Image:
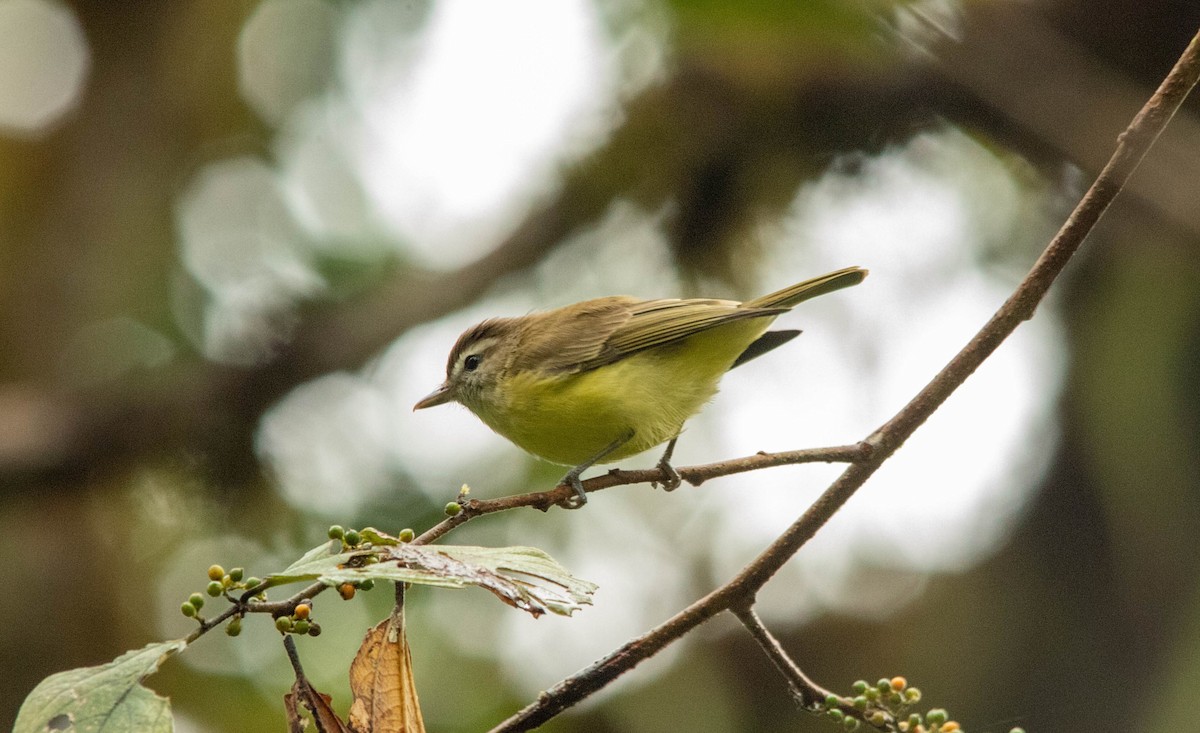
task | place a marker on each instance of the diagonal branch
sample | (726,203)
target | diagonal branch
(1131,148)
(808,693)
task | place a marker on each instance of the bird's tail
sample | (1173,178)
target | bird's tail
(801,292)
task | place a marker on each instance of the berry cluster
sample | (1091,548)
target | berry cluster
(298,621)
(886,706)
(220,583)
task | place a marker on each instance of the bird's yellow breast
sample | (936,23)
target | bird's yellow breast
(569,418)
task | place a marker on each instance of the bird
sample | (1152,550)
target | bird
(608,378)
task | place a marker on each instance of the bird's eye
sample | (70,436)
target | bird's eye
(471,363)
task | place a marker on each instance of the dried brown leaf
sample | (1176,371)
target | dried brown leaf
(318,705)
(381,680)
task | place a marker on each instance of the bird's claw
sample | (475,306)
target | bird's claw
(672,480)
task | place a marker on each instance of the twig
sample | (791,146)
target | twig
(808,693)
(289,643)
(694,475)
(1131,148)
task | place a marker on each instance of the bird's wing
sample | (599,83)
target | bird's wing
(594,333)
(659,322)
(653,323)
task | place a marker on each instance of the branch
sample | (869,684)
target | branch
(694,475)
(739,592)
(808,693)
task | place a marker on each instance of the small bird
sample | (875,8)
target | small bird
(605,379)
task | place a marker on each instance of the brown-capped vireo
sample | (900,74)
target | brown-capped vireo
(608,378)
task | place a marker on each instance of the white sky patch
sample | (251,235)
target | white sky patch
(479,112)
(44,63)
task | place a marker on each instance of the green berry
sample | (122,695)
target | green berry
(453,508)
(859,687)
(937,716)
(836,715)
(850,723)
(215,588)
(912,694)
(872,693)
(301,626)
(832,701)
(877,719)
(216,572)
(188,609)
(253,582)
(914,720)
(883,685)
(336,532)
(352,537)
(406,535)
(1017,730)
(196,600)
(235,575)
(860,703)
(235,626)
(284,624)
(367,584)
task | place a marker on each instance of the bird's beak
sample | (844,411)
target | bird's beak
(439,396)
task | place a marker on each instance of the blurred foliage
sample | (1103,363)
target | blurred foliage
(117,434)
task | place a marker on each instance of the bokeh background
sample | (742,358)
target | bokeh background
(237,240)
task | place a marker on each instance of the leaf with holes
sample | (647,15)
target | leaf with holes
(104,699)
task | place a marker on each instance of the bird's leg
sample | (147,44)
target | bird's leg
(664,464)
(572,477)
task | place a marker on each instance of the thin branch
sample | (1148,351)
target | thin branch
(808,693)
(289,643)
(694,475)
(1131,148)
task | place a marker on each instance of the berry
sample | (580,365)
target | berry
(336,532)
(301,627)
(284,624)
(216,572)
(188,609)
(235,626)
(346,590)
(235,575)
(899,683)
(302,611)
(352,537)
(196,600)
(215,588)
(406,535)
(453,508)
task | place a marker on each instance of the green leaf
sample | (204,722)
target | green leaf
(524,577)
(104,699)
